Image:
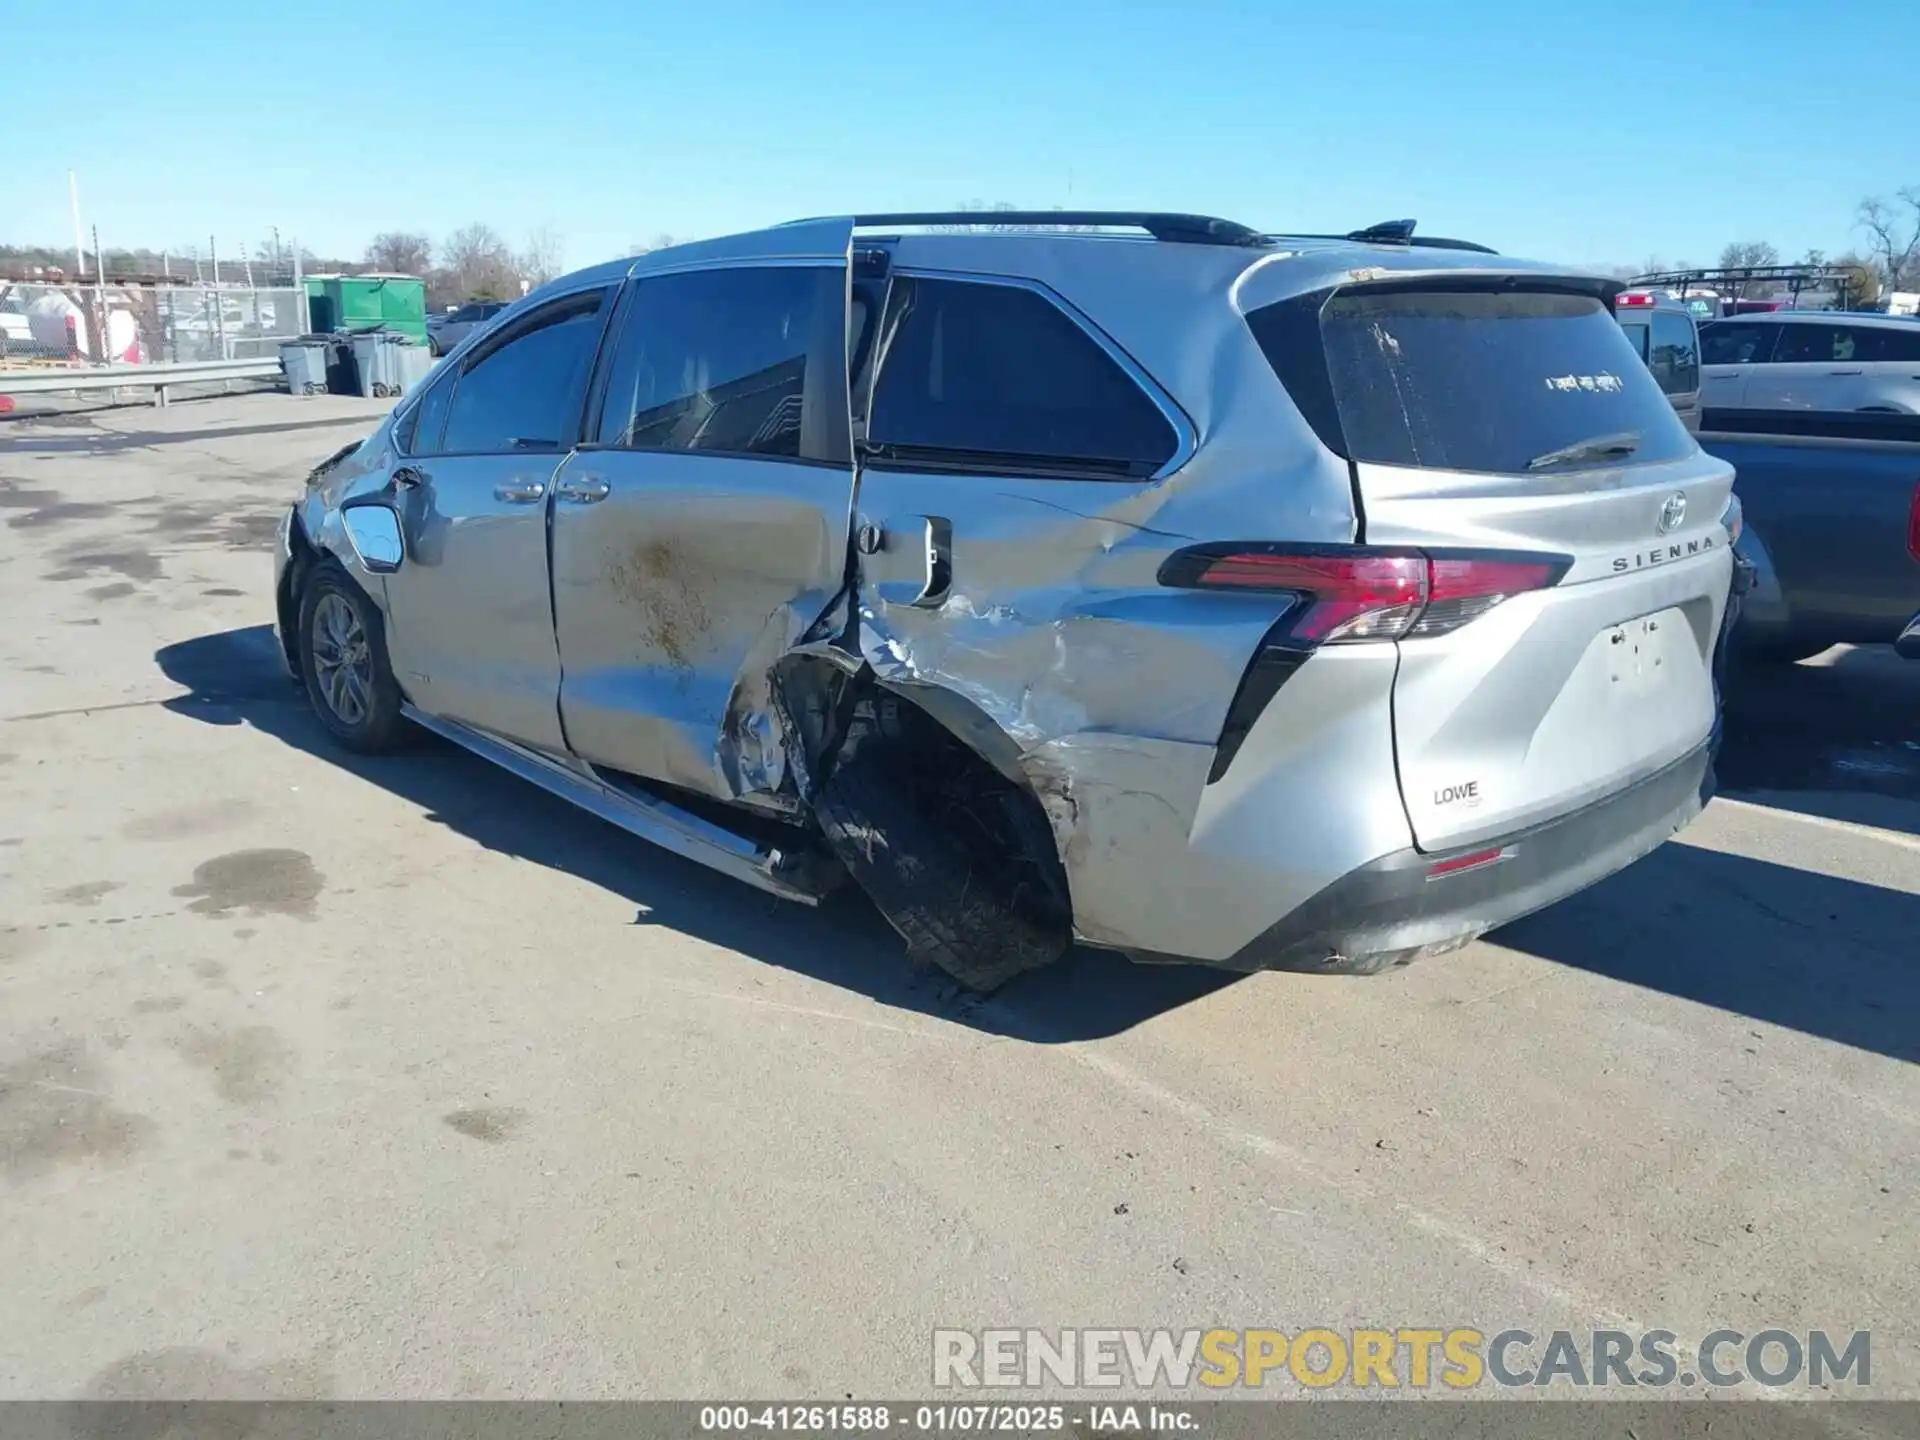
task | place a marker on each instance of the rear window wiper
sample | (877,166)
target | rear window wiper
(1597,447)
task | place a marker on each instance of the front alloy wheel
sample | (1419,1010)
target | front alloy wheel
(342,659)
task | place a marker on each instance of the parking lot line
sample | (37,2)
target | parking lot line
(1841,827)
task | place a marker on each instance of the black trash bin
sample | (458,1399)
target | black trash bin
(342,377)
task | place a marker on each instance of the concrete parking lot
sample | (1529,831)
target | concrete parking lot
(323,1076)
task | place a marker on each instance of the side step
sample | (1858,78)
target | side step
(789,875)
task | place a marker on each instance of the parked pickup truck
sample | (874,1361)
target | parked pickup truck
(1831,504)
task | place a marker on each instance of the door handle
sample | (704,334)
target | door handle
(582,490)
(1843,372)
(903,582)
(520,492)
(937,540)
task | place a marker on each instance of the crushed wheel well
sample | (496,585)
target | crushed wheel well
(954,852)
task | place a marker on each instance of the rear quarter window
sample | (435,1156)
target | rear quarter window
(1474,379)
(998,377)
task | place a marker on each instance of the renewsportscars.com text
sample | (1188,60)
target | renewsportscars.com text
(1405,1358)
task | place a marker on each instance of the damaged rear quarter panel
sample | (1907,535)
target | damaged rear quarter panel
(1109,689)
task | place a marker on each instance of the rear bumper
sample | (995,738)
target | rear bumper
(1908,645)
(1392,908)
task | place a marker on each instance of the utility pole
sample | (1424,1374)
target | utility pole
(73,200)
(219,311)
(300,291)
(100,297)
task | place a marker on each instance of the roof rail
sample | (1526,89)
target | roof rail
(1188,229)
(1400,232)
(1440,242)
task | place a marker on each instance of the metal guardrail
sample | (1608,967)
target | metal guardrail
(48,381)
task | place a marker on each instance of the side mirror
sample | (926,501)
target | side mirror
(373,530)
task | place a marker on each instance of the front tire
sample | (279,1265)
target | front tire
(343,664)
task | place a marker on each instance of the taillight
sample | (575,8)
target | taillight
(1734,517)
(1913,525)
(1350,593)
(1630,300)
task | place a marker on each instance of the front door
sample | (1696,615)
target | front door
(702,526)
(470,624)
(1733,357)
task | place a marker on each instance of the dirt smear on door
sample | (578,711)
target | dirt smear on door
(665,587)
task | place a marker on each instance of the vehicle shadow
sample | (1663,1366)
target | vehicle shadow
(234,677)
(1838,738)
(1811,952)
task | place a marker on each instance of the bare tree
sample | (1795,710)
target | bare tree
(1863,278)
(541,260)
(400,252)
(1894,228)
(479,265)
(1742,254)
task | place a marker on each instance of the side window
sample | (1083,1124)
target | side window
(1814,344)
(520,392)
(1727,342)
(419,430)
(977,375)
(1675,359)
(1895,345)
(736,362)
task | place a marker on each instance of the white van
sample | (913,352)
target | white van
(1811,360)
(1664,335)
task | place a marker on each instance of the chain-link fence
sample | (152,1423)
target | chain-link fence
(145,324)
(223,324)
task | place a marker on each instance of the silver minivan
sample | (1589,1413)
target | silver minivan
(1269,601)
(1813,360)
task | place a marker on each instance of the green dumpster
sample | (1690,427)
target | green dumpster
(397,303)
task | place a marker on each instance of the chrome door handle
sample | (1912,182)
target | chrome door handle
(936,550)
(586,490)
(520,492)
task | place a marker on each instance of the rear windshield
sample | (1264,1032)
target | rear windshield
(1478,380)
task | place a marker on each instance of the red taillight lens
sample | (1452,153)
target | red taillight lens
(1462,590)
(1354,593)
(1629,301)
(1353,597)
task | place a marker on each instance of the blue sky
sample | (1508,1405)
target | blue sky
(1590,133)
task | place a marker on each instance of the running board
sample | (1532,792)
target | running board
(786,874)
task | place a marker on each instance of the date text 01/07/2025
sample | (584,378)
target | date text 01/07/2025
(943,1419)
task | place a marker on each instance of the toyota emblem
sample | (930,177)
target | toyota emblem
(1673,513)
